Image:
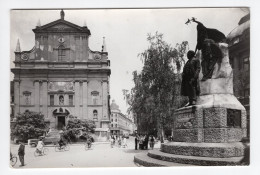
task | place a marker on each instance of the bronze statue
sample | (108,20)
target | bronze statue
(190,84)
(207,40)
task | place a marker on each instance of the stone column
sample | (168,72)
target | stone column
(37,96)
(44,98)
(104,100)
(77,98)
(81,99)
(16,97)
(85,99)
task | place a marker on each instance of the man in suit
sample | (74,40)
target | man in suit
(190,85)
(21,153)
(136,141)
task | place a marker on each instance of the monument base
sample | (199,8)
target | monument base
(210,123)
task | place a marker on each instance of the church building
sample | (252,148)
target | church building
(61,77)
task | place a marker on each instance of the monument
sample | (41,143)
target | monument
(210,131)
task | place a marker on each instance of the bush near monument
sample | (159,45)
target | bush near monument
(77,128)
(28,125)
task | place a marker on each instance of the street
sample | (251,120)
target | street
(100,155)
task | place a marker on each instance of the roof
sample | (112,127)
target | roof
(244,19)
(244,24)
(114,106)
(61,25)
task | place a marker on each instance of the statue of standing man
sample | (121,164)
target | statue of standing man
(190,75)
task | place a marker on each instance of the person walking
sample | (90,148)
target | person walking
(136,141)
(21,153)
(124,142)
(152,142)
(40,145)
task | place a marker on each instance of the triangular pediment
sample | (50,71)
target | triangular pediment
(61,25)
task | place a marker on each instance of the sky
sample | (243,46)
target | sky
(125,32)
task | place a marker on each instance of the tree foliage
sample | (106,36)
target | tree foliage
(157,88)
(77,127)
(28,125)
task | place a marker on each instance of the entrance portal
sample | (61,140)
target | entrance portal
(61,122)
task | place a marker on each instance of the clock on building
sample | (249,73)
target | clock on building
(97,57)
(25,57)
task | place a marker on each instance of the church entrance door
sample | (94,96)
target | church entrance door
(61,122)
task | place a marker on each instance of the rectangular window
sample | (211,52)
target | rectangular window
(116,125)
(246,64)
(27,97)
(112,125)
(51,100)
(71,100)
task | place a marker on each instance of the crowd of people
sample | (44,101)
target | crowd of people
(120,140)
(142,141)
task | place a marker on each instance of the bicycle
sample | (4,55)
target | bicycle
(13,160)
(119,143)
(88,145)
(44,151)
(62,147)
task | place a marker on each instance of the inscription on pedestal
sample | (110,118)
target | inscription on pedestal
(234,118)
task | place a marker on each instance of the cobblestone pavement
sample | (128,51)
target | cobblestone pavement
(101,155)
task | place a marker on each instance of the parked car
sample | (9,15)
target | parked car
(51,138)
(33,142)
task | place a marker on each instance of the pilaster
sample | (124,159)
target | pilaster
(104,100)
(16,97)
(44,98)
(37,95)
(85,99)
(77,97)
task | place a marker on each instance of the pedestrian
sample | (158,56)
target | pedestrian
(39,146)
(112,141)
(246,159)
(21,153)
(124,142)
(136,141)
(146,139)
(152,142)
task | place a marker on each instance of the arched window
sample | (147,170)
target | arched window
(61,53)
(95,115)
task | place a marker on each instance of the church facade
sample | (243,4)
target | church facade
(60,76)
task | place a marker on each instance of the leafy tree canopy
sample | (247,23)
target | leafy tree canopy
(156,93)
(29,125)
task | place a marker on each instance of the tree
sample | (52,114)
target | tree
(28,125)
(77,127)
(157,88)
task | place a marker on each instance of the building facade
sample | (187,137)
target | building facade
(60,76)
(239,55)
(120,124)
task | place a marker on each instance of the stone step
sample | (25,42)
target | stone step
(194,160)
(144,160)
(218,150)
